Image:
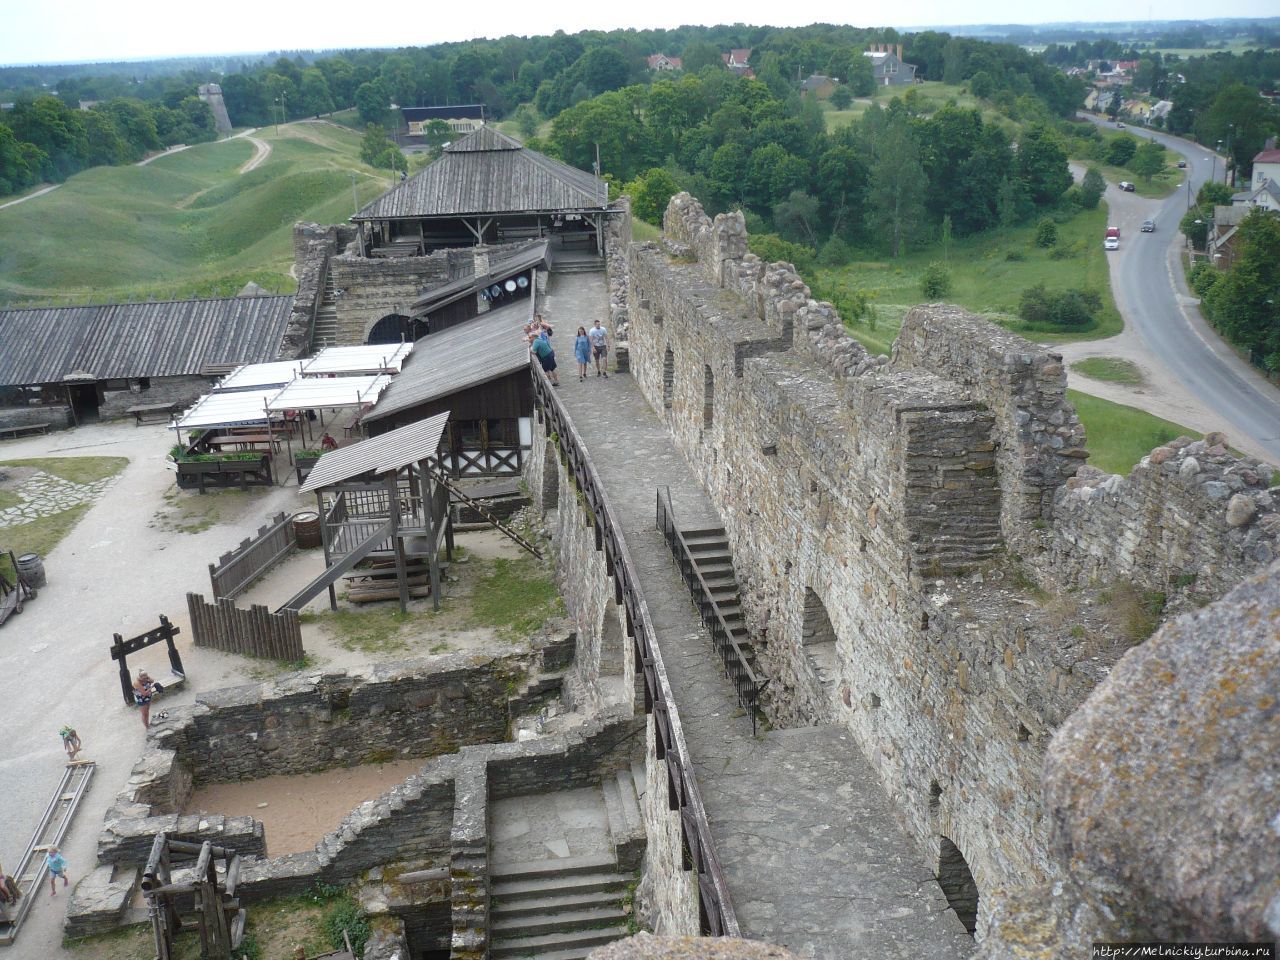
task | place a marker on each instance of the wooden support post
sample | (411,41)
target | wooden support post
(397,543)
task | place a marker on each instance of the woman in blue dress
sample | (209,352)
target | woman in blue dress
(582,352)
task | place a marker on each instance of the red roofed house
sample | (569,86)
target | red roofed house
(1266,166)
(738,61)
(660,61)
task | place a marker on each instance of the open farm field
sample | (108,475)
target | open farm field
(988,274)
(188,224)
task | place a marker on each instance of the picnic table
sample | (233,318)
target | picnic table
(247,441)
(151,412)
(24,429)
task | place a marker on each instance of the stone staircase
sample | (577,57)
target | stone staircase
(709,548)
(556,909)
(324,332)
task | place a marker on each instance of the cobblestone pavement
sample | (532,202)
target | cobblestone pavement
(115,572)
(44,495)
(814,857)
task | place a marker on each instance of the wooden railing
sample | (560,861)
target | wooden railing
(715,907)
(491,462)
(737,667)
(238,568)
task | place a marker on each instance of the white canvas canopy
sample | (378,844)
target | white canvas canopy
(236,409)
(373,358)
(251,375)
(314,393)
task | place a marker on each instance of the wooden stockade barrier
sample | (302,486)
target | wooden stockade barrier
(238,568)
(256,632)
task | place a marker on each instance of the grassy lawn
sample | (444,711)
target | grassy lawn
(514,597)
(986,280)
(188,224)
(1119,436)
(642,231)
(934,93)
(42,535)
(1110,370)
(1161,185)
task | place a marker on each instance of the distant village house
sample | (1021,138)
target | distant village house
(739,61)
(659,62)
(819,87)
(462,119)
(888,67)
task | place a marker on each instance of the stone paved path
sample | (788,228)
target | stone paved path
(44,494)
(813,856)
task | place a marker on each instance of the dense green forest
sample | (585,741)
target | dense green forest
(538,76)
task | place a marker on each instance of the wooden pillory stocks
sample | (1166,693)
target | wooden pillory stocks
(219,916)
(121,649)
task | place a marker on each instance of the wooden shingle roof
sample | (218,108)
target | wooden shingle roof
(153,339)
(485,348)
(485,173)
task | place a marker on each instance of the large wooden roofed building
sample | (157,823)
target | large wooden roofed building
(477,370)
(487,188)
(77,355)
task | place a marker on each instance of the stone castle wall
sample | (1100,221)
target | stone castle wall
(923,505)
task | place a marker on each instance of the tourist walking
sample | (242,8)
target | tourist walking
(57,868)
(600,347)
(144,688)
(582,351)
(70,741)
(541,347)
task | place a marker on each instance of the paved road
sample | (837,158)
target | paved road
(1152,296)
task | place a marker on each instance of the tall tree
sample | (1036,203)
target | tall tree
(897,184)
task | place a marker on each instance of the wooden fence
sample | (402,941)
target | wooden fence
(256,632)
(238,568)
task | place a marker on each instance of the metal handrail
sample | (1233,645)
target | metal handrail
(747,685)
(716,912)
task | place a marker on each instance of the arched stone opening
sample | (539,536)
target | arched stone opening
(818,640)
(668,377)
(395,327)
(957,883)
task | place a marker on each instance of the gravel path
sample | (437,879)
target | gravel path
(114,573)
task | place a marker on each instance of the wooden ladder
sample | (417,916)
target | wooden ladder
(484,511)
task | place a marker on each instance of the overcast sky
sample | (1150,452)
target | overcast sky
(71,30)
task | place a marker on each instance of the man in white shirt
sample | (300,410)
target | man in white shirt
(599,338)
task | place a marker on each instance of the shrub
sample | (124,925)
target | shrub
(1046,232)
(771,248)
(935,283)
(1015,256)
(1092,188)
(1065,308)
(841,98)
(835,253)
(346,915)
(1203,278)
(1121,150)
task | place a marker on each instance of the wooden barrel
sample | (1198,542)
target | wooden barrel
(306,529)
(31,569)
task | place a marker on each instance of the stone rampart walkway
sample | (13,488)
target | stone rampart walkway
(813,856)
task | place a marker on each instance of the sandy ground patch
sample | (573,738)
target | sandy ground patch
(298,811)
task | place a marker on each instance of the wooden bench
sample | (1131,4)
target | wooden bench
(24,430)
(152,413)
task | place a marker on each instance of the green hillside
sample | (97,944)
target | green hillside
(184,225)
